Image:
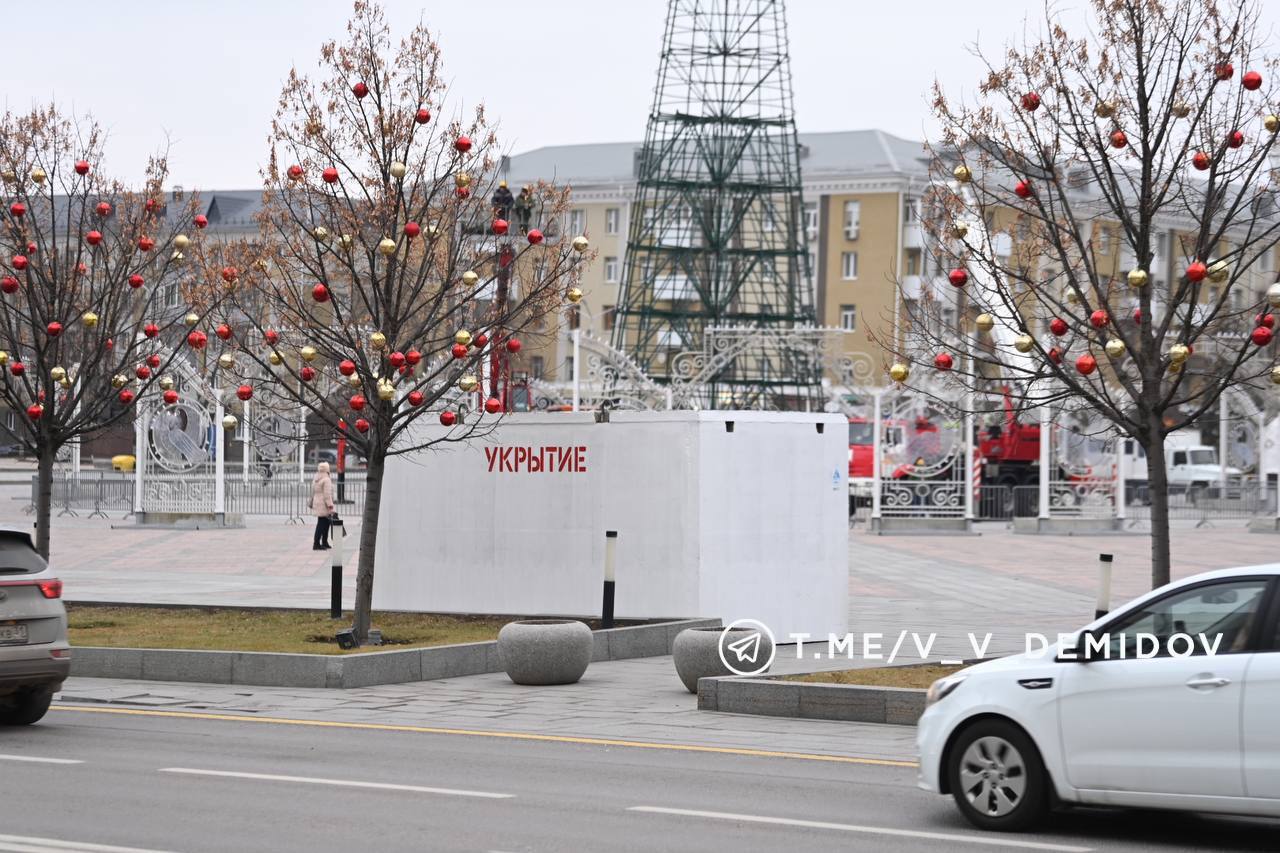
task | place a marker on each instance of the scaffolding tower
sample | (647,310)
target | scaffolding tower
(717,236)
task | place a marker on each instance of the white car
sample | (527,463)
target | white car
(1171,701)
(34,656)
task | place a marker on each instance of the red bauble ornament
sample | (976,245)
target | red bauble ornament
(146,244)
(17,368)
(1137,315)
(463,144)
(142,372)
(82,167)
(357,402)
(535,236)
(397,359)
(330,175)
(513,345)
(1086,364)
(1268,320)
(415,398)
(1055,355)
(153,361)
(1099,319)
(82,268)
(1031,102)
(500,226)
(459,350)
(294,172)
(31,248)
(943,361)
(422,116)
(93,238)
(201,221)
(244,392)
(480,341)
(17,209)
(463,192)
(109,344)
(271,336)
(19,262)
(136,281)
(1200,160)
(1261,336)
(493,405)
(1022,189)
(958,277)
(151,330)
(1251,80)
(223,331)
(1224,70)
(103,209)
(412,357)
(170,397)
(1236,139)
(1196,271)
(448,419)
(1058,326)
(362,425)
(126,396)
(307,373)
(346,367)
(230,274)
(34,411)
(320,293)
(412,229)
(9,284)
(360,89)
(1118,139)
(197,339)
(151,205)
(53,329)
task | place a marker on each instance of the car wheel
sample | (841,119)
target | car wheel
(25,707)
(997,778)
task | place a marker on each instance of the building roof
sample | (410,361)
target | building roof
(848,153)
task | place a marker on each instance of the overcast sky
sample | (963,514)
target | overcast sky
(207,74)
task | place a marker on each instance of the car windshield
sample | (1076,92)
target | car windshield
(1204,457)
(860,434)
(18,557)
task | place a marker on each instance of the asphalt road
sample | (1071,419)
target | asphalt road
(139,781)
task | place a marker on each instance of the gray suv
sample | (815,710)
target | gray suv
(34,655)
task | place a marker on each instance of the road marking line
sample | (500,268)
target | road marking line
(37,760)
(984,840)
(590,741)
(343,783)
(40,845)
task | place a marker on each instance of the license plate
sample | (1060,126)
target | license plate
(13,634)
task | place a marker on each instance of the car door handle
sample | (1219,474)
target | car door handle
(1201,681)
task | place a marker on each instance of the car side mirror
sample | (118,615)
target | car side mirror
(1075,649)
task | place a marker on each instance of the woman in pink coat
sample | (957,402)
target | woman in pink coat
(321,505)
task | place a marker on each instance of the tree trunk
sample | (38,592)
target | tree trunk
(1158,490)
(44,498)
(368,541)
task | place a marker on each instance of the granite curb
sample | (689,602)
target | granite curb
(769,697)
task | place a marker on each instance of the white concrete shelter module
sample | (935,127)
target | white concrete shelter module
(719,514)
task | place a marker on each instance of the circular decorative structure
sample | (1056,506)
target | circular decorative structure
(545,651)
(179,437)
(696,652)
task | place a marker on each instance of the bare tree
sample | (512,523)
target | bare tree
(1103,207)
(388,285)
(86,265)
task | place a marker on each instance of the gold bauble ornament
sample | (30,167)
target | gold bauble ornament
(1071,296)
(432,230)
(462,337)
(985,322)
(1273,295)
(354,380)
(119,380)
(1137,278)
(1271,123)
(1115,347)
(470,277)
(899,372)
(462,179)
(58,374)
(308,353)
(1023,343)
(230,422)
(1218,271)
(226,361)
(9,176)
(90,320)
(1182,109)
(1104,109)
(191,319)
(38,175)
(181,242)
(321,234)
(275,358)
(581,243)
(166,383)
(1178,353)
(378,341)
(962,173)
(574,295)
(385,389)
(177,257)
(345,241)
(959,230)
(469,383)
(398,170)
(4,358)
(387,246)
(1275,375)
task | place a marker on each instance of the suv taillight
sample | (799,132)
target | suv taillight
(50,589)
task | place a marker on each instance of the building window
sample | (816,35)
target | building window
(575,317)
(568,367)
(611,270)
(577,222)
(813,264)
(910,210)
(607,316)
(171,294)
(611,216)
(852,219)
(849,265)
(913,262)
(811,218)
(849,317)
(1104,240)
(1268,260)
(535,366)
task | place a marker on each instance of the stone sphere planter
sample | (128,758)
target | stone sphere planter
(545,651)
(696,652)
